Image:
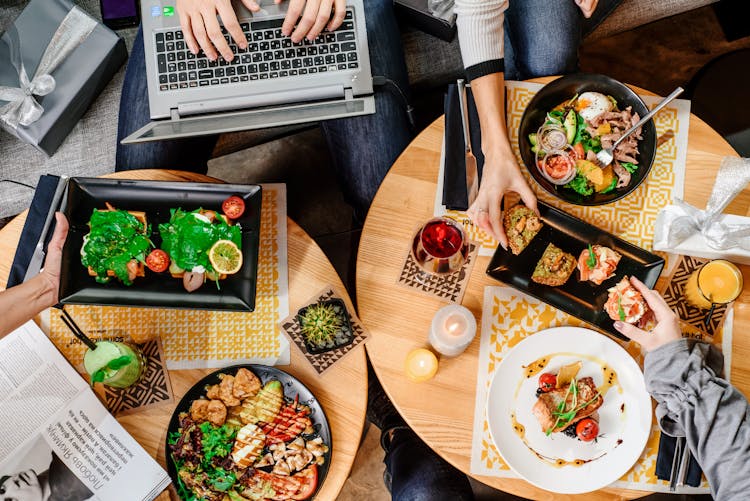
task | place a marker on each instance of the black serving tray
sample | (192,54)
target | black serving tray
(584,300)
(156,198)
(292,386)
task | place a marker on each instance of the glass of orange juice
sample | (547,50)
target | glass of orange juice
(715,283)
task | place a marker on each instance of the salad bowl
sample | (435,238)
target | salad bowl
(563,90)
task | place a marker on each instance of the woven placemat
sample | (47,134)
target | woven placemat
(449,288)
(321,362)
(691,318)
(154,388)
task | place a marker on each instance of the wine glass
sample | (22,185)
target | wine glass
(440,247)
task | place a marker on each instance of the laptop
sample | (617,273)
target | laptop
(273,82)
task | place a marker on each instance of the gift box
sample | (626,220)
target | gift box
(434,17)
(54,61)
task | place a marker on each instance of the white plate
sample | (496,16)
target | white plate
(631,424)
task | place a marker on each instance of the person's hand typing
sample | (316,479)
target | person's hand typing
(499,176)
(587,7)
(202,30)
(667,327)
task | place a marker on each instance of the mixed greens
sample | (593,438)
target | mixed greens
(188,236)
(116,238)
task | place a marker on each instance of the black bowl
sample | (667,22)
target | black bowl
(563,89)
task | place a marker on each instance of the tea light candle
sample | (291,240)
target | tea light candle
(421,365)
(452,330)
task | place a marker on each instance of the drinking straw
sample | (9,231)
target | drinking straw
(77,332)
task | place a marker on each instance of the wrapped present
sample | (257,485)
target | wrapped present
(54,60)
(684,229)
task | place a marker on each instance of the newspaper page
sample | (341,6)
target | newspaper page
(58,441)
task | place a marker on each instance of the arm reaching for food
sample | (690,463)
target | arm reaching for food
(24,301)
(480,32)
(693,401)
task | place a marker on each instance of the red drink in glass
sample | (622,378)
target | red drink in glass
(440,246)
(441,239)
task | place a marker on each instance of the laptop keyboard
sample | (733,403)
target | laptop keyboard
(269,55)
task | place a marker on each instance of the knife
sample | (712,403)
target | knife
(35,264)
(472,179)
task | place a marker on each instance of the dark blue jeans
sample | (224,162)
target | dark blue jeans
(363,148)
(542,36)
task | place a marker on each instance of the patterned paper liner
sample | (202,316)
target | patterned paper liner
(194,339)
(321,362)
(449,288)
(508,317)
(632,218)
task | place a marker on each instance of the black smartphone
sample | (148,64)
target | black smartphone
(119,13)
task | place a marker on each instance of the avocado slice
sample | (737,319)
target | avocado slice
(571,125)
(532,139)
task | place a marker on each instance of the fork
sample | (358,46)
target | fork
(606,155)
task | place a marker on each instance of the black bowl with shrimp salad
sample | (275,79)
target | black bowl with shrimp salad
(571,119)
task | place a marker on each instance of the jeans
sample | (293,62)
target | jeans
(419,474)
(362,148)
(542,36)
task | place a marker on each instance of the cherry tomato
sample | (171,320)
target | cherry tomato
(547,382)
(233,207)
(308,479)
(557,167)
(587,429)
(157,261)
(579,151)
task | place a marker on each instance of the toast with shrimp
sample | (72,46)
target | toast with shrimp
(521,226)
(555,267)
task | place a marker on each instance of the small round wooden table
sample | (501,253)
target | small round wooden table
(342,390)
(441,411)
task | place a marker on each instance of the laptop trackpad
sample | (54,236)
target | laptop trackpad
(251,119)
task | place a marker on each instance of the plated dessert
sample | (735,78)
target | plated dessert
(573,132)
(246,439)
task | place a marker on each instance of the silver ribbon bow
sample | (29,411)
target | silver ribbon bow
(22,108)
(733,176)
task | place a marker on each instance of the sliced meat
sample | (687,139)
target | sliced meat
(547,404)
(623,176)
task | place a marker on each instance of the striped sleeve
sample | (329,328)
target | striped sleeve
(480,34)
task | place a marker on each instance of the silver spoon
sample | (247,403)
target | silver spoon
(606,155)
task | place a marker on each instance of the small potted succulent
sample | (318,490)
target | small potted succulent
(325,326)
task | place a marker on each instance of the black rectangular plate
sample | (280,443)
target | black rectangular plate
(584,300)
(156,198)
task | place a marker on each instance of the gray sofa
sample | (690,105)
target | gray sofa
(90,149)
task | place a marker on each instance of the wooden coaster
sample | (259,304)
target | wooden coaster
(321,362)
(449,288)
(154,387)
(691,318)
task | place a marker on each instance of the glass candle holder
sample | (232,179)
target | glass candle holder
(440,246)
(452,330)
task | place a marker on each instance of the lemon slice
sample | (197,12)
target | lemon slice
(225,257)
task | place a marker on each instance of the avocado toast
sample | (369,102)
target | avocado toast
(555,267)
(521,225)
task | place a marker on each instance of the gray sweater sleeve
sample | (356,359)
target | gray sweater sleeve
(694,402)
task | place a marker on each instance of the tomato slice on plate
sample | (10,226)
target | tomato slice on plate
(309,482)
(233,207)
(547,382)
(579,151)
(157,261)
(587,429)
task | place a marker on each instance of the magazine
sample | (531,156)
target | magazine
(58,441)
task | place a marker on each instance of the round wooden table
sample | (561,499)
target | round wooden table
(441,410)
(342,390)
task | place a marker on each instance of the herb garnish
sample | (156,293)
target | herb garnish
(591,261)
(620,311)
(563,417)
(113,365)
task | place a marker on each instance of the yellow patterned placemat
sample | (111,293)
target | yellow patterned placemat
(508,316)
(631,218)
(200,339)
